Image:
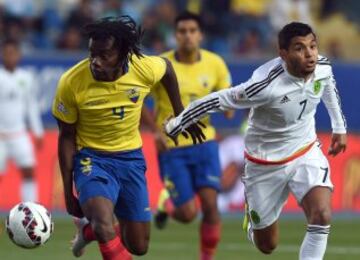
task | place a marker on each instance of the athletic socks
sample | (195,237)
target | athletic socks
(209,239)
(28,190)
(110,246)
(314,244)
(114,250)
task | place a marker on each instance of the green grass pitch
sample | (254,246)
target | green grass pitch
(181,242)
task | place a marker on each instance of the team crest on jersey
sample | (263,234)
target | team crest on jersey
(134,95)
(204,80)
(61,108)
(255,217)
(317,87)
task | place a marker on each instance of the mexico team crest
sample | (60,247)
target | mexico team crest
(317,87)
(134,95)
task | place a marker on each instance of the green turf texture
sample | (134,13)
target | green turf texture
(181,242)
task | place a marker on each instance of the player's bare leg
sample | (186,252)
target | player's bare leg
(28,186)
(317,207)
(184,213)
(136,236)
(99,211)
(210,228)
(266,239)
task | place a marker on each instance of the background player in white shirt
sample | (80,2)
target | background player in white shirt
(18,105)
(281,148)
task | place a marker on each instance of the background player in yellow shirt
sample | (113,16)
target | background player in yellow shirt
(98,105)
(188,169)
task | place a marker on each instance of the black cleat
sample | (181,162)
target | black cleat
(161,219)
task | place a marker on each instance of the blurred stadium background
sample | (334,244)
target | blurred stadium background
(244,33)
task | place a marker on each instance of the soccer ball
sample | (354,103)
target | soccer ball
(29,225)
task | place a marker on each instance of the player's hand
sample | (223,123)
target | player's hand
(338,144)
(195,132)
(73,206)
(160,142)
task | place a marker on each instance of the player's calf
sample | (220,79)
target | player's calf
(266,240)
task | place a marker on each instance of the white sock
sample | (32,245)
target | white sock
(314,244)
(250,233)
(28,191)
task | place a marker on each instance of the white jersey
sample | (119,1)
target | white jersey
(18,103)
(281,120)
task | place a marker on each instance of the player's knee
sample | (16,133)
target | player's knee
(266,247)
(139,248)
(320,216)
(188,216)
(103,231)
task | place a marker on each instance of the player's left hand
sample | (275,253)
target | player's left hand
(338,144)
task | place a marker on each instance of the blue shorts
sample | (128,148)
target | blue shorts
(185,170)
(119,177)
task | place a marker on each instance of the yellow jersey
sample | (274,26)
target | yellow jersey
(107,114)
(195,80)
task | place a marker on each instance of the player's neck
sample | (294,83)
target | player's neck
(187,57)
(297,74)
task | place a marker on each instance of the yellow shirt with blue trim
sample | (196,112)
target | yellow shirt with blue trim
(196,80)
(107,114)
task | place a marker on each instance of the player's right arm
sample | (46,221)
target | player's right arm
(66,153)
(64,110)
(238,97)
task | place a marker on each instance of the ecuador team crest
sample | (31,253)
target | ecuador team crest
(134,95)
(317,87)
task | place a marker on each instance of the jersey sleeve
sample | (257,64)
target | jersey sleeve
(331,99)
(223,76)
(237,97)
(156,67)
(64,105)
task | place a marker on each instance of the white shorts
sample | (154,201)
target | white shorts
(267,187)
(18,148)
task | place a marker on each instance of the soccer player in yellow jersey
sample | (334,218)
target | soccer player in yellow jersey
(98,105)
(188,169)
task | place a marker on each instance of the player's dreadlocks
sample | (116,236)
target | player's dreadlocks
(123,29)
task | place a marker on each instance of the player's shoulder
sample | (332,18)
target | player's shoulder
(211,57)
(170,55)
(323,67)
(146,61)
(269,70)
(76,72)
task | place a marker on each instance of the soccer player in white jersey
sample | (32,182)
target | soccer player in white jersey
(281,148)
(18,105)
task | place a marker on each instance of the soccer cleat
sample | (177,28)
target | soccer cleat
(79,243)
(246,226)
(161,216)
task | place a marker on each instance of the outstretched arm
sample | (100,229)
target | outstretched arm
(223,100)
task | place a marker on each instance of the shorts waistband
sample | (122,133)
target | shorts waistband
(294,156)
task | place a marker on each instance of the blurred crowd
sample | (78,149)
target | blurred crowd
(234,28)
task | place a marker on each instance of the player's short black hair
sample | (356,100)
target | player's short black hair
(187,15)
(123,29)
(11,42)
(292,30)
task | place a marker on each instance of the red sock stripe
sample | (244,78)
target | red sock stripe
(114,250)
(210,237)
